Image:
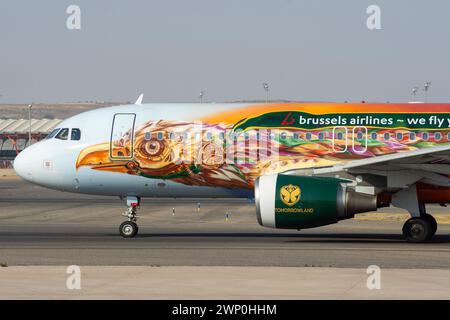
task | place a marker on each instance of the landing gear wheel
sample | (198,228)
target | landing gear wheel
(128,229)
(432,221)
(418,230)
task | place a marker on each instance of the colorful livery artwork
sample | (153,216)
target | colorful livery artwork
(231,149)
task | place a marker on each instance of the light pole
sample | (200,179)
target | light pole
(29,124)
(414,92)
(426,87)
(267,89)
(200,95)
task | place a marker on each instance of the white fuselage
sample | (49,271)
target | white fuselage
(52,162)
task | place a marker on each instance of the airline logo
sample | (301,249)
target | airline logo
(288,120)
(290,194)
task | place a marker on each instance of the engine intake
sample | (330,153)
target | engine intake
(300,202)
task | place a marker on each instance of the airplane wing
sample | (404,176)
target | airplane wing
(430,165)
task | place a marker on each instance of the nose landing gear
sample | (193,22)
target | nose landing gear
(129,228)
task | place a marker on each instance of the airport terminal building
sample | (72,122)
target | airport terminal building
(15,133)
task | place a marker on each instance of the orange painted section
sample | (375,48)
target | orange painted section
(426,193)
(433,194)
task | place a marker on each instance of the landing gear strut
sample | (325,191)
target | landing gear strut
(129,228)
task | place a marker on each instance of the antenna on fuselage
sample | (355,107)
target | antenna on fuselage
(139,99)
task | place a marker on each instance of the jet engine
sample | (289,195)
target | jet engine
(301,202)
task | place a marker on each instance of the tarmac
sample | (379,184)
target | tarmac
(221,283)
(219,248)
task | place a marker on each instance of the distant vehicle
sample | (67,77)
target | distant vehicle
(305,164)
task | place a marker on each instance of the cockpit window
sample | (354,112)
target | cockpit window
(52,133)
(75,134)
(63,134)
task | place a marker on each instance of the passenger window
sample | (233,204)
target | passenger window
(53,133)
(160,136)
(147,136)
(437,136)
(412,136)
(425,136)
(63,134)
(308,136)
(321,135)
(399,136)
(387,136)
(283,135)
(296,136)
(75,134)
(374,136)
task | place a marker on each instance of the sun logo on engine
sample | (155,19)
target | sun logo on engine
(290,194)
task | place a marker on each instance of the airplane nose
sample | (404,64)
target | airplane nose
(36,164)
(22,165)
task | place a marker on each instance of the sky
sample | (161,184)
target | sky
(170,50)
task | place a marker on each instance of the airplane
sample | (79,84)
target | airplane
(305,165)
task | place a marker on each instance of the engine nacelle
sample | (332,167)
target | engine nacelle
(300,202)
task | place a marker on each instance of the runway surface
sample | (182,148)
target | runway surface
(44,227)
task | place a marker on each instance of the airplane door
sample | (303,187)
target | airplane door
(122,136)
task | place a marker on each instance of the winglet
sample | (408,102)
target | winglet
(139,100)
